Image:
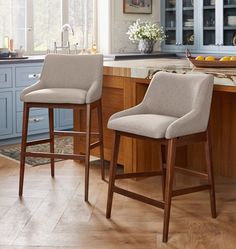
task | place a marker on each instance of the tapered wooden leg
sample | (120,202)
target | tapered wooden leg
(51,134)
(87,150)
(112,174)
(100,127)
(163,162)
(169,186)
(23,147)
(210,175)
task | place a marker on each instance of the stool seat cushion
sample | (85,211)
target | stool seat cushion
(148,125)
(56,95)
(174,105)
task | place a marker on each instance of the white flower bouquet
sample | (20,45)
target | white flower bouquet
(144,30)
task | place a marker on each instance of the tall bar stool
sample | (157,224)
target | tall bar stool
(70,82)
(174,112)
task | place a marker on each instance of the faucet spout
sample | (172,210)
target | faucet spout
(66,27)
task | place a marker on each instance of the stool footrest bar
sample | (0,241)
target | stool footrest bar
(42,141)
(139,174)
(190,190)
(74,133)
(191,172)
(94,145)
(54,155)
(132,195)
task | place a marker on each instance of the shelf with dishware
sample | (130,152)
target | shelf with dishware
(202,26)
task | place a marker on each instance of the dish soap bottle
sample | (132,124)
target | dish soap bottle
(6,42)
(94,48)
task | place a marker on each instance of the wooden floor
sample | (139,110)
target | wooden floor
(53,214)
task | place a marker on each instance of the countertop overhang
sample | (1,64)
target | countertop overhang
(146,68)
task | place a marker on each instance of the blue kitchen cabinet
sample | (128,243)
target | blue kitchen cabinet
(14,77)
(65,119)
(6,113)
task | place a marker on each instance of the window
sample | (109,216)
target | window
(13,21)
(36,25)
(47,22)
(81,19)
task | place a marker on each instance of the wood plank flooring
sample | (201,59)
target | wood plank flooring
(53,215)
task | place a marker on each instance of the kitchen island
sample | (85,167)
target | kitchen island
(125,83)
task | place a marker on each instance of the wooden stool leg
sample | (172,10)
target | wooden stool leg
(87,150)
(23,147)
(163,162)
(112,174)
(210,175)
(51,134)
(169,186)
(100,126)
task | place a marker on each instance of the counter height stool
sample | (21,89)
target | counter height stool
(70,82)
(174,112)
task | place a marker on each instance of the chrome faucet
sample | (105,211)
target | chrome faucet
(66,27)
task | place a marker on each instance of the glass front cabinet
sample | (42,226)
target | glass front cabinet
(200,25)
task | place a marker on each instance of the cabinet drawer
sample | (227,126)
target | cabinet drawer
(5,78)
(26,76)
(38,121)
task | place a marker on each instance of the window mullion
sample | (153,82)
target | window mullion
(29,27)
(65,16)
(85,23)
(65,11)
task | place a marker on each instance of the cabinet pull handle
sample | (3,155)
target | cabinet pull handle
(36,120)
(5,77)
(34,76)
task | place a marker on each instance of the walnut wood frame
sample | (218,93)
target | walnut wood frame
(168,152)
(85,157)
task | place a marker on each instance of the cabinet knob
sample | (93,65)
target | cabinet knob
(34,76)
(36,120)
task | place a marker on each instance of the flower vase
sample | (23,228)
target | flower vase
(146,46)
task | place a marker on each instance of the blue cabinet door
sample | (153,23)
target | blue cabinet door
(6,113)
(65,119)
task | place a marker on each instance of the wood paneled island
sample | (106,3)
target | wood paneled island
(124,85)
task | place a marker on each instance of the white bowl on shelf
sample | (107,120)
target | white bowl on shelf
(231,20)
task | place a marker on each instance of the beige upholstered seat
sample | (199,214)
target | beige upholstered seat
(150,125)
(57,95)
(78,80)
(174,105)
(174,113)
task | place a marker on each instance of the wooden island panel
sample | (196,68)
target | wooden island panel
(123,92)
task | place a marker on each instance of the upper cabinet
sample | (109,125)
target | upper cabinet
(179,22)
(229,22)
(200,25)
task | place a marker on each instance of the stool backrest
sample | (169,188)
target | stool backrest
(177,94)
(72,71)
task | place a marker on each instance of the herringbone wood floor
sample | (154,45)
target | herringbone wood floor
(53,214)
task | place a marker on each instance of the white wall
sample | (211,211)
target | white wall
(120,22)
